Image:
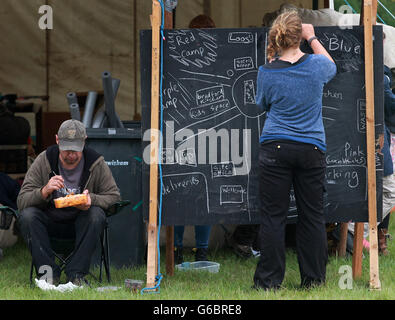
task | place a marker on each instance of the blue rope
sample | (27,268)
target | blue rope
(381,19)
(159,277)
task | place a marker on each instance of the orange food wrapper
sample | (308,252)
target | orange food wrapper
(71,200)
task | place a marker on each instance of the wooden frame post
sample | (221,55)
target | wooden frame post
(368,21)
(152,254)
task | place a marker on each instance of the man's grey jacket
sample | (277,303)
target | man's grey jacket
(96,177)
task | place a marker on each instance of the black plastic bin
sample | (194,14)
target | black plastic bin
(121,148)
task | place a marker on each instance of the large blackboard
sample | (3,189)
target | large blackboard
(212,126)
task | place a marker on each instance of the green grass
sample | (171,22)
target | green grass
(233,282)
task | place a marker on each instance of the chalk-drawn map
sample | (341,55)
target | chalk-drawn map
(212,125)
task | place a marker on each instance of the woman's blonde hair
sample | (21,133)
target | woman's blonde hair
(286,32)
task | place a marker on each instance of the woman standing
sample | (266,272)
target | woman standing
(292,151)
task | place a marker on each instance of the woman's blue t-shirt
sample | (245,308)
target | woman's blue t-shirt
(292,97)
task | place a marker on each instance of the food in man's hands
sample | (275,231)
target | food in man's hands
(71,200)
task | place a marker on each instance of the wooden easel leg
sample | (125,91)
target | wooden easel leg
(342,246)
(357,251)
(170,250)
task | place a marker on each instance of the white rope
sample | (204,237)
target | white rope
(389,12)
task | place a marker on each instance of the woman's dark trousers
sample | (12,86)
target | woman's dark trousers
(285,164)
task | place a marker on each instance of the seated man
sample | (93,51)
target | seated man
(68,166)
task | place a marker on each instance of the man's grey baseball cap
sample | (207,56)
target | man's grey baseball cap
(72,135)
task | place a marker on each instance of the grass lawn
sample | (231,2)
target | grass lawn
(232,282)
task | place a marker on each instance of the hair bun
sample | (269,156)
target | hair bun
(286,32)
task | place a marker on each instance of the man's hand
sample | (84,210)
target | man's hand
(55,183)
(86,206)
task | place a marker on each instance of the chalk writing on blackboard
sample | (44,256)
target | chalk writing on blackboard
(226,169)
(231,194)
(348,155)
(346,177)
(332,94)
(243,63)
(345,49)
(185,49)
(241,37)
(185,184)
(361,113)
